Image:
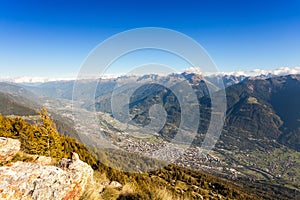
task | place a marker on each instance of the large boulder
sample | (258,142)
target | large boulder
(8,148)
(24,180)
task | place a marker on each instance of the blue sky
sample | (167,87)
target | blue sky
(52,38)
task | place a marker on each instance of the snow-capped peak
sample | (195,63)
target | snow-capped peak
(261,72)
(246,73)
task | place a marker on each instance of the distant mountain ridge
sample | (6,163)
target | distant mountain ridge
(282,71)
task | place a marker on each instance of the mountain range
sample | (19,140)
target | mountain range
(260,140)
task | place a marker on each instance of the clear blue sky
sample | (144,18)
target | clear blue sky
(52,38)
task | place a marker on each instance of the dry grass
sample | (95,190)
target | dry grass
(24,157)
(97,191)
(94,189)
(128,189)
(163,194)
(110,193)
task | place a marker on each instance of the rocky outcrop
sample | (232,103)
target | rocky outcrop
(35,180)
(8,148)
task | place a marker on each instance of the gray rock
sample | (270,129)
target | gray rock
(43,160)
(24,180)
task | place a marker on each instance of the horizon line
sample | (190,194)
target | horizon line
(248,73)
